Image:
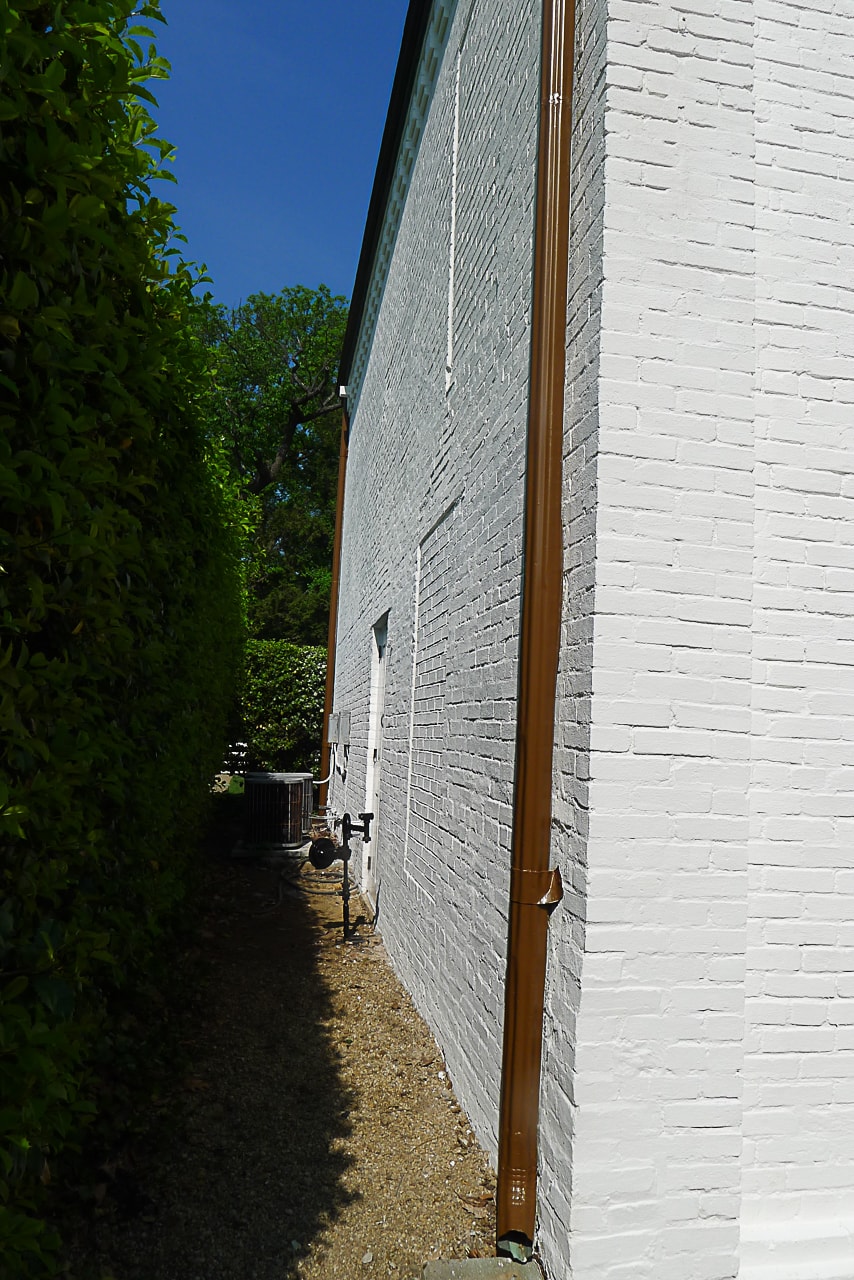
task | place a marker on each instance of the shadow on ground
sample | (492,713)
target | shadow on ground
(252,1168)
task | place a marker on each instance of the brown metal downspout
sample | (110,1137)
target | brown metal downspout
(332,637)
(534,888)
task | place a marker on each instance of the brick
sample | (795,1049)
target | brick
(705,710)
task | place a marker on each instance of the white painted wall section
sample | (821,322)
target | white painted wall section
(656,1102)
(798,1212)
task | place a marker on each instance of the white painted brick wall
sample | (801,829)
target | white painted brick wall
(659,1039)
(798,1214)
(698,1080)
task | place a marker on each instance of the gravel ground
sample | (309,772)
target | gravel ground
(316,1136)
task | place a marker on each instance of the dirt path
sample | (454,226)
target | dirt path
(317,1136)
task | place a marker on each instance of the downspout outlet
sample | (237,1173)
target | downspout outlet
(516,1246)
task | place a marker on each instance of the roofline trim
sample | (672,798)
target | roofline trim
(425,34)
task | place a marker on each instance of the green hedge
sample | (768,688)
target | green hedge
(120,611)
(283,705)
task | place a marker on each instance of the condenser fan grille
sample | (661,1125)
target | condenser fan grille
(278,808)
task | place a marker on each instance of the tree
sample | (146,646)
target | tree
(290,576)
(275,406)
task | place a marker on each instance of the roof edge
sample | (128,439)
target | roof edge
(414,30)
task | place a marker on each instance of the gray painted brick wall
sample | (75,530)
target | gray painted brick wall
(432,533)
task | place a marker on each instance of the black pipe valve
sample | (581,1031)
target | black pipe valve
(348,826)
(362,828)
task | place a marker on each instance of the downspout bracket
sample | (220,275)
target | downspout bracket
(536,888)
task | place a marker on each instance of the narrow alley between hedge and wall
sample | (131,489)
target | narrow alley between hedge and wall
(314,1134)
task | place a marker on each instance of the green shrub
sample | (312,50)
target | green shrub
(120,613)
(283,705)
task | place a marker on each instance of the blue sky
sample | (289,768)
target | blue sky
(277,109)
